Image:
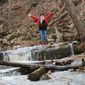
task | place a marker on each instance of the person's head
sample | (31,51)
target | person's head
(42,16)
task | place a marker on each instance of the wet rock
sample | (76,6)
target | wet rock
(55,52)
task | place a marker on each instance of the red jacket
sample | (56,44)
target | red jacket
(37,19)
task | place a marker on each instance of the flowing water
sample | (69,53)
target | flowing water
(72,49)
(19,54)
(58,78)
(12,76)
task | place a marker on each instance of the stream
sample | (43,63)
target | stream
(12,76)
(58,78)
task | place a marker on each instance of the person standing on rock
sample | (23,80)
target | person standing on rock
(42,22)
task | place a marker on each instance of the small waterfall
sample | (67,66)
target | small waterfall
(20,54)
(72,50)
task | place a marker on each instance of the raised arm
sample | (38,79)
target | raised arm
(49,15)
(34,17)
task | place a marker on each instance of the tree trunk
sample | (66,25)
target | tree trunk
(15,64)
(77,20)
(51,66)
(10,16)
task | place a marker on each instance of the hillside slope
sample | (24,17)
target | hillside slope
(24,30)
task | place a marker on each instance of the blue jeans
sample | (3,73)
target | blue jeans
(43,35)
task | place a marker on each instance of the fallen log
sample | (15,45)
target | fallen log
(24,68)
(33,67)
(14,64)
(37,64)
(36,75)
(56,62)
(75,57)
(65,67)
(41,68)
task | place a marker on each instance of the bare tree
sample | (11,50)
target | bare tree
(77,20)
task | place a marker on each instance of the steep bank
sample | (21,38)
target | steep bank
(24,30)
